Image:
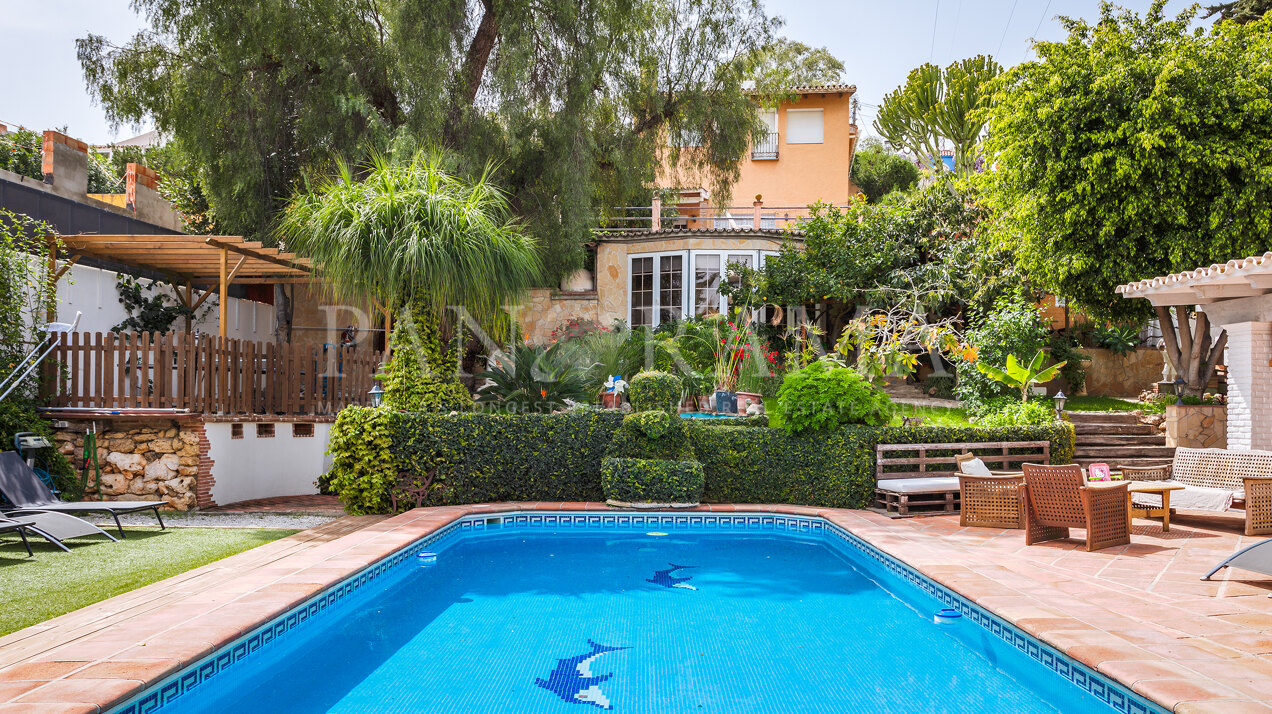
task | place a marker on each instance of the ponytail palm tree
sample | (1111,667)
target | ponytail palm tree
(409,232)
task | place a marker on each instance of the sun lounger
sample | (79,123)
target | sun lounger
(54,527)
(1255,558)
(19,527)
(20,484)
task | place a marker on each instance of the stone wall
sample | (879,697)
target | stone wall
(1108,374)
(546,309)
(142,460)
(1201,426)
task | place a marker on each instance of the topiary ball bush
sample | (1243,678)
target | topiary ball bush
(824,396)
(652,481)
(655,390)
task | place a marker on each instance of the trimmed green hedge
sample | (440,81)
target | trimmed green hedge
(508,457)
(837,468)
(655,390)
(652,480)
(558,457)
(632,439)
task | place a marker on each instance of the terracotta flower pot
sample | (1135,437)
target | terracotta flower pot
(752,397)
(611,400)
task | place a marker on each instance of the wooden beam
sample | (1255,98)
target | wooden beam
(71,260)
(238,248)
(225,291)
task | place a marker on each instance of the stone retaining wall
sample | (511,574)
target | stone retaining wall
(143,460)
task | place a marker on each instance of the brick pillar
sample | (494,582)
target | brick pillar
(205,481)
(655,222)
(1249,385)
(65,163)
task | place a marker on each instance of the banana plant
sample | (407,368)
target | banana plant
(1022,376)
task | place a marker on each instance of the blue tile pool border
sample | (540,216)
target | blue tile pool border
(1116,695)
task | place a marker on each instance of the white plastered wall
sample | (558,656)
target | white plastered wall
(93,292)
(265,467)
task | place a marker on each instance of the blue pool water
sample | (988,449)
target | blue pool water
(570,621)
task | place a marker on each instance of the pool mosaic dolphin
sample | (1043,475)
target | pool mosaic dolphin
(667,580)
(573,681)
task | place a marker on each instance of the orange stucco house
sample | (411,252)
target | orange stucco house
(670,267)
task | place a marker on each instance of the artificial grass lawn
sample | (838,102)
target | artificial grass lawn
(932,416)
(52,583)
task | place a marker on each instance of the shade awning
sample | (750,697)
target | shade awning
(195,260)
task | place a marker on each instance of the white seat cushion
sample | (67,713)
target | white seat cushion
(975,467)
(938,484)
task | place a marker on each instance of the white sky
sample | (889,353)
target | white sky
(879,42)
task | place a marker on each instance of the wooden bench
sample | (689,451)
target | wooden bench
(922,479)
(1247,475)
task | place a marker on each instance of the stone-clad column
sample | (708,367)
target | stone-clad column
(1249,385)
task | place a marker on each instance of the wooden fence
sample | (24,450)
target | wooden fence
(206,374)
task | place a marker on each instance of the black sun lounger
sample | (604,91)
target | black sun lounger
(20,528)
(1256,558)
(22,486)
(53,527)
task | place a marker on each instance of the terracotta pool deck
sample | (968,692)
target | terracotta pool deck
(1138,613)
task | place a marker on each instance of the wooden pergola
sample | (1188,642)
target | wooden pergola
(188,262)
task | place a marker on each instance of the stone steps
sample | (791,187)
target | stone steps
(1102,418)
(1117,439)
(1097,429)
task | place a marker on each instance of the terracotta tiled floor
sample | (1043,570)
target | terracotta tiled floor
(317,503)
(1137,613)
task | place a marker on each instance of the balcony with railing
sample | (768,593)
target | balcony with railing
(765,147)
(696,216)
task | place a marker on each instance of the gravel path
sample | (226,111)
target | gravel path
(222,520)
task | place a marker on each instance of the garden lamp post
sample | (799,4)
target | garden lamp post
(1059,401)
(376,394)
(1179,391)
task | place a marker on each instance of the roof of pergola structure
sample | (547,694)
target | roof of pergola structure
(194,260)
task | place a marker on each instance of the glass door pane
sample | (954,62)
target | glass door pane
(706,284)
(642,295)
(671,272)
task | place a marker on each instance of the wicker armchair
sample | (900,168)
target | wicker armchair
(989,501)
(1054,500)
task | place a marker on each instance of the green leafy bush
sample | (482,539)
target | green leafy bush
(1013,326)
(363,466)
(655,390)
(416,377)
(1016,413)
(823,396)
(633,440)
(558,457)
(652,480)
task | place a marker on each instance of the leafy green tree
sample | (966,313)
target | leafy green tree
(878,170)
(1137,147)
(934,106)
(409,232)
(783,64)
(1240,10)
(572,100)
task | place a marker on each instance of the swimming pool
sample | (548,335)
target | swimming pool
(543,612)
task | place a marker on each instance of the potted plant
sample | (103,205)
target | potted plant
(732,341)
(612,397)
